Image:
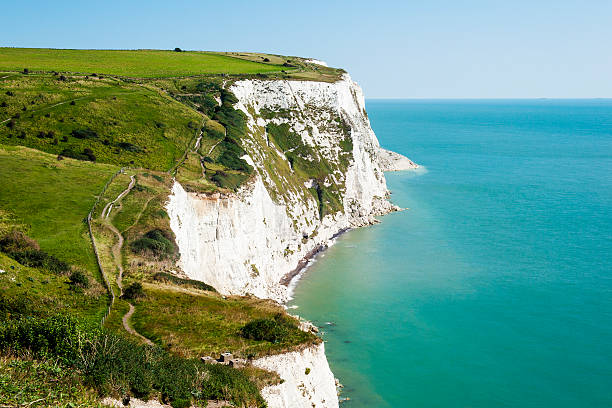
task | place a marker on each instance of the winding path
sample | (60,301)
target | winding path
(108,207)
(129,329)
(116,251)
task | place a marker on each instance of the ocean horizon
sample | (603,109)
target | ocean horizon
(494,287)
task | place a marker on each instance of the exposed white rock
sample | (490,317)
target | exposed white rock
(300,390)
(391,161)
(136,403)
(253,241)
(247,242)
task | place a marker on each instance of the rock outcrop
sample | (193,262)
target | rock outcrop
(391,161)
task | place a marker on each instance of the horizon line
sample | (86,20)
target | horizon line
(489,98)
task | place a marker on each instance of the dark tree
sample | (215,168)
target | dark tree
(177,49)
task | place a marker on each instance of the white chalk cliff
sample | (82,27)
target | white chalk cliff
(307,380)
(249,241)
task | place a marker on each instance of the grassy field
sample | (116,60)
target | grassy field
(195,323)
(50,200)
(45,293)
(123,123)
(130,63)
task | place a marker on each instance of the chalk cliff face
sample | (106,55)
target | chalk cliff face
(318,171)
(246,242)
(308,381)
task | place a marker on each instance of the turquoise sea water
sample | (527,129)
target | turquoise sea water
(495,288)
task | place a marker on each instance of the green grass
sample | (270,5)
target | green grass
(44,293)
(124,123)
(27,382)
(131,63)
(196,323)
(50,199)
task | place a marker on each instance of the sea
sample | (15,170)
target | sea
(494,287)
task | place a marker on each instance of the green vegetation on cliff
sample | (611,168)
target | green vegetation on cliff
(69,121)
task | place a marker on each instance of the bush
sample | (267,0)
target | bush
(84,134)
(229,181)
(11,124)
(130,147)
(16,241)
(90,154)
(79,279)
(273,330)
(177,49)
(134,291)
(87,154)
(166,277)
(157,243)
(26,251)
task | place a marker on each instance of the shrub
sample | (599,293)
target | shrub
(266,59)
(26,251)
(10,93)
(13,305)
(11,124)
(273,330)
(84,133)
(16,241)
(3,104)
(230,181)
(134,291)
(177,49)
(89,156)
(166,277)
(130,147)
(79,279)
(157,243)
(26,71)
(307,371)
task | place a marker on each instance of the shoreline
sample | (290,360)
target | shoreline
(291,278)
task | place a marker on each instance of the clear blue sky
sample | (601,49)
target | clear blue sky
(429,48)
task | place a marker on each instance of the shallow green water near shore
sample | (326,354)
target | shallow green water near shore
(495,288)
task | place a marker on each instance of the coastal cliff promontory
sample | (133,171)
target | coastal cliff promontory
(318,171)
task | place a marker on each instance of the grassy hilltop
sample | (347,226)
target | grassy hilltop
(69,121)
(129,63)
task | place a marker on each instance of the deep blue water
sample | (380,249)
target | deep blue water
(495,288)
